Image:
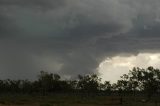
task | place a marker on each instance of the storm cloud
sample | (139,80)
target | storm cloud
(73,37)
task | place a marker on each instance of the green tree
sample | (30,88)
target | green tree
(145,80)
(106,86)
(46,81)
(89,83)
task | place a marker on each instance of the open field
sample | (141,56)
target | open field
(66,100)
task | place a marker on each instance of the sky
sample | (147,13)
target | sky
(72,37)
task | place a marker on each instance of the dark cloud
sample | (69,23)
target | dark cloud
(72,37)
(41,4)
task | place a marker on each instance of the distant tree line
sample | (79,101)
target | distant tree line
(137,80)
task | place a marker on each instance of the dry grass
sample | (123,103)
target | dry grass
(28,100)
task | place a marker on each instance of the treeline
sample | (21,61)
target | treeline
(137,80)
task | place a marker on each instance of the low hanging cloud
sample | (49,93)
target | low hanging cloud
(73,37)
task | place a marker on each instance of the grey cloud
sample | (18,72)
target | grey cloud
(40,4)
(72,37)
(71,17)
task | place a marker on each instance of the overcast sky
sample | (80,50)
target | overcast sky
(73,37)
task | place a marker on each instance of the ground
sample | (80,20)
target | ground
(73,100)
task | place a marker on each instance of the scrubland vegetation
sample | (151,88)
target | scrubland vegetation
(138,87)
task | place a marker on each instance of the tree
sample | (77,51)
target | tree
(46,81)
(89,83)
(26,86)
(146,80)
(106,86)
(56,77)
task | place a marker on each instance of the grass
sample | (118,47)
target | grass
(72,100)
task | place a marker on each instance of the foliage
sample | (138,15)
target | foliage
(137,80)
(89,83)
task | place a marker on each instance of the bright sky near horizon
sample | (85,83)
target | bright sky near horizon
(112,68)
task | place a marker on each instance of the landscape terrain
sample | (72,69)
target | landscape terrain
(139,87)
